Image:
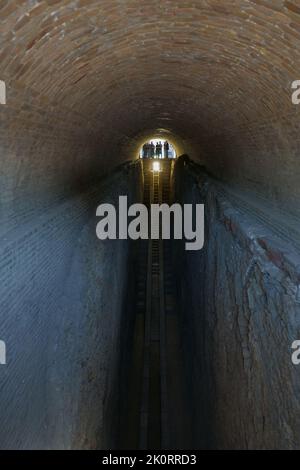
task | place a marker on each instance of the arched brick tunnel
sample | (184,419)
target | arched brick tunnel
(87,82)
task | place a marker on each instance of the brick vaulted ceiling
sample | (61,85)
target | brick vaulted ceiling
(216,74)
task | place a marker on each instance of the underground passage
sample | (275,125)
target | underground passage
(117,331)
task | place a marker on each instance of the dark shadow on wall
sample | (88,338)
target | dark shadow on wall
(190,285)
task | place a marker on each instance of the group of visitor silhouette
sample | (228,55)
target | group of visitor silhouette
(157,149)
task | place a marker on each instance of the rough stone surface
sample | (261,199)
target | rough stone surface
(240,316)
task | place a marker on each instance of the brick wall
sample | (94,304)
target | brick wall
(216,76)
(86,81)
(240,315)
(62,297)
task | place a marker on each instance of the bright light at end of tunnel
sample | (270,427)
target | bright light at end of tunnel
(156,166)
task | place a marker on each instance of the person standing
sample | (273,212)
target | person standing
(166,149)
(157,150)
(145,150)
(152,150)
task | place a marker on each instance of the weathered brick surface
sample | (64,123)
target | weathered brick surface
(240,315)
(87,81)
(215,74)
(62,294)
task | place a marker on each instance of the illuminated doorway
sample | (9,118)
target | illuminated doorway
(157,148)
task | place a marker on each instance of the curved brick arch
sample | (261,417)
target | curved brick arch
(218,76)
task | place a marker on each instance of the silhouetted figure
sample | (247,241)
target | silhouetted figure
(166,149)
(157,150)
(160,149)
(145,150)
(152,150)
